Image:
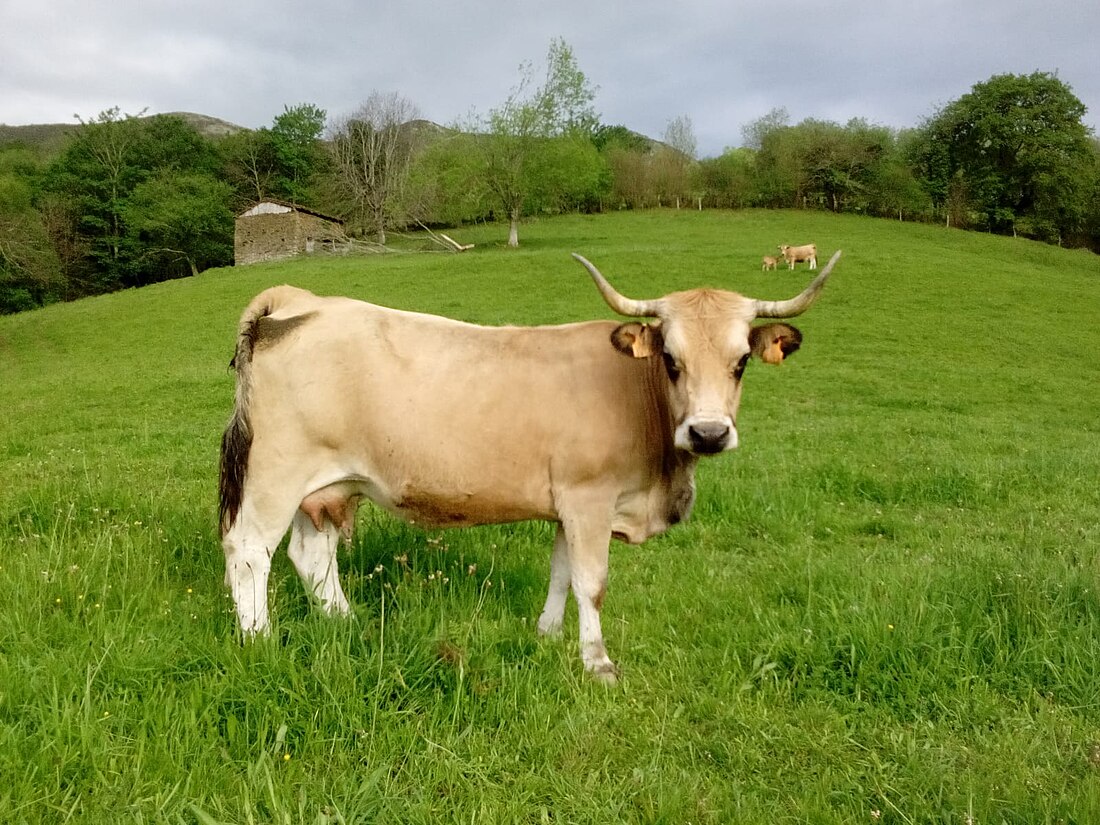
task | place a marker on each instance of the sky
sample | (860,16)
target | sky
(721,64)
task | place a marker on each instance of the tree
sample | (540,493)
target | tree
(1090,229)
(372,151)
(182,224)
(754,133)
(87,188)
(30,274)
(250,165)
(680,135)
(631,177)
(1017,146)
(300,157)
(531,128)
(445,186)
(95,173)
(674,160)
(728,179)
(627,157)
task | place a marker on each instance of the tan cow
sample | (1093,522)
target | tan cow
(769,262)
(795,254)
(595,426)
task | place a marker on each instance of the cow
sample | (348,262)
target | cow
(769,262)
(795,254)
(595,426)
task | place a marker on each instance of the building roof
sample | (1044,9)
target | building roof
(272,207)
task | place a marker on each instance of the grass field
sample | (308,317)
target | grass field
(884,610)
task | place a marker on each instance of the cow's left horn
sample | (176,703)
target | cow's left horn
(801,302)
(620,303)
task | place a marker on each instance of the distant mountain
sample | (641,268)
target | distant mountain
(208,126)
(50,137)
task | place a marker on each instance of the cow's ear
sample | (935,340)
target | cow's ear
(638,340)
(772,343)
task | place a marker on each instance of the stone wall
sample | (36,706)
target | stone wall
(274,236)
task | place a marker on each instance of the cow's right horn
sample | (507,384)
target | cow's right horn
(801,302)
(620,303)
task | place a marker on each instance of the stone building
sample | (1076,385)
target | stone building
(272,231)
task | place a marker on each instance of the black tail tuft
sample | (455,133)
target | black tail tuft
(236,444)
(237,438)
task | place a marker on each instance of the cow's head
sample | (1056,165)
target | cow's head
(705,338)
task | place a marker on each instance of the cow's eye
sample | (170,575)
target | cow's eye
(739,369)
(671,367)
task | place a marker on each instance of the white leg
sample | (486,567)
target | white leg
(247,564)
(313,553)
(554,610)
(249,545)
(587,537)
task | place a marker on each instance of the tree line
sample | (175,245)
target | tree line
(133,200)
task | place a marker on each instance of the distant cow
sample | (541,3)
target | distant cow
(796,254)
(769,262)
(594,426)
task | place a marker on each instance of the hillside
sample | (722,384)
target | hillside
(884,608)
(50,137)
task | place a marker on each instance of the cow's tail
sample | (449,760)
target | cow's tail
(237,438)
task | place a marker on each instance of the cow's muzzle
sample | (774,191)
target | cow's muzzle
(709,436)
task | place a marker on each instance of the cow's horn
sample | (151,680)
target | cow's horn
(801,302)
(620,303)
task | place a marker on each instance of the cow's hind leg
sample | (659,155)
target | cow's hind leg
(313,552)
(249,545)
(554,610)
(248,549)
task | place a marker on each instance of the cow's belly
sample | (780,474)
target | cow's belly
(424,504)
(428,509)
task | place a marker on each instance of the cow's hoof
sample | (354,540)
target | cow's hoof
(605,673)
(549,629)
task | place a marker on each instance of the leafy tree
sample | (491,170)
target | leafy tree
(729,179)
(607,138)
(95,173)
(533,127)
(250,164)
(300,157)
(87,190)
(29,270)
(444,182)
(632,176)
(182,224)
(780,177)
(1090,229)
(1017,146)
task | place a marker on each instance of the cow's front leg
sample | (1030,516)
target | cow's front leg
(554,610)
(587,537)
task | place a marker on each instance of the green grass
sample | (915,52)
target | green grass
(886,600)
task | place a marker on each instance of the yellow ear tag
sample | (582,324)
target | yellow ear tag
(773,354)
